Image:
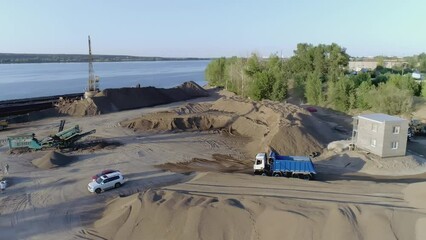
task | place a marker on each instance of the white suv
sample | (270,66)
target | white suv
(105,182)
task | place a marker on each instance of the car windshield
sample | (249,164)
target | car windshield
(99,180)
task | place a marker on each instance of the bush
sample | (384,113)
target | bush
(387,98)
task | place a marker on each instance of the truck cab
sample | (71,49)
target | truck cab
(260,164)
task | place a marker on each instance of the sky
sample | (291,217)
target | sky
(215,28)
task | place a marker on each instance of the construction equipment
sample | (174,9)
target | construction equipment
(273,164)
(93,82)
(3,124)
(417,127)
(62,139)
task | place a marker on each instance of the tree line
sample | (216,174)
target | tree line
(319,75)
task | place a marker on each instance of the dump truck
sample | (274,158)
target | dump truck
(3,124)
(273,164)
(63,139)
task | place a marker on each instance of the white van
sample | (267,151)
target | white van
(105,182)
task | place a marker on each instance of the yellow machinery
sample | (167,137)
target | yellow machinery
(3,124)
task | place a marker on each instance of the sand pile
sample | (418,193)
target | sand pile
(113,100)
(220,163)
(166,214)
(353,161)
(285,127)
(51,160)
(394,166)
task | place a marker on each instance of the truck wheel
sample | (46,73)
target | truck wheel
(264,174)
(277,175)
(117,185)
(308,177)
(98,190)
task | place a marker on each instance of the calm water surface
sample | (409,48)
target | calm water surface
(45,79)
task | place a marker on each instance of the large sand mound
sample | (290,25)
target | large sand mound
(166,214)
(354,161)
(112,100)
(285,127)
(51,160)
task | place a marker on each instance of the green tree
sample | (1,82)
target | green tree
(363,95)
(253,65)
(338,60)
(279,90)
(343,94)
(236,76)
(275,67)
(424,89)
(261,86)
(404,83)
(360,78)
(313,89)
(215,72)
(421,62)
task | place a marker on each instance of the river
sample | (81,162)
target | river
(47,79)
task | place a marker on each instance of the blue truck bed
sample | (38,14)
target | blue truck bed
(294,164)
(291,165)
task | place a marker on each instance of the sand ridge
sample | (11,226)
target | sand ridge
(285,127)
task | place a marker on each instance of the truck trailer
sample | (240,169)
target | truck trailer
(273,164)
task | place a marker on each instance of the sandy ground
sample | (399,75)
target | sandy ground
(207,192)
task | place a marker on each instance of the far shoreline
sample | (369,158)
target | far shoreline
(167,60)
(18,58)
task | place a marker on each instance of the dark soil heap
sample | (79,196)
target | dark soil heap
(119,99)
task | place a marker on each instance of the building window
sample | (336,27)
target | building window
(373,142)
(394,145)
(374,127)
(395,130)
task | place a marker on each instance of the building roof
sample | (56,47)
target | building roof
(380,117)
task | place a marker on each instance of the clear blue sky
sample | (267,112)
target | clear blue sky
(202,28)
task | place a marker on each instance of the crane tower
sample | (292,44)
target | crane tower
(93,82)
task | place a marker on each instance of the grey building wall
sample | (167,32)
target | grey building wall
(391,137)
(366,135)
(381,133)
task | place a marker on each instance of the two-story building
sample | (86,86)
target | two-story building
(380,134)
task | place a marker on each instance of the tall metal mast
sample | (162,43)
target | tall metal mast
(93,85)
